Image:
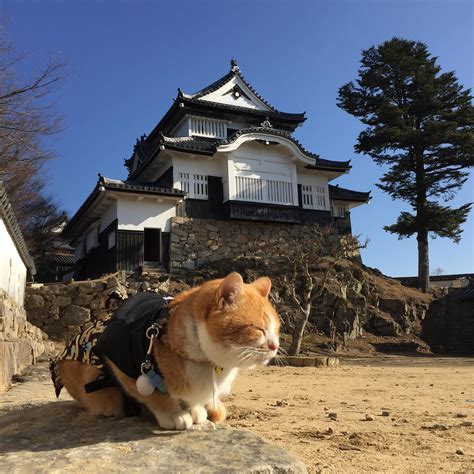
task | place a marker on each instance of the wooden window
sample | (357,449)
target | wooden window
(341,211)
(200,188)
(195,185)
(307,196)
(184,180)
(313,197)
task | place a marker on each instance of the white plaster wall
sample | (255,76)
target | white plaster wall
(79,250)
(108,216)
(312,179)
(136,215)
(12,268)
(92,238)
(201,165)
(220,96)
(265,162)
(183,129)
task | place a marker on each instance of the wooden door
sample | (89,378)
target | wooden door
(152,245)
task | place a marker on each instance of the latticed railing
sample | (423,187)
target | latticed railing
(208,128)
(263,190)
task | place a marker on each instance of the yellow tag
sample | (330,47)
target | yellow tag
(218,370)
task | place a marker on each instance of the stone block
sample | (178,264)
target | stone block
(83,299)
(63,301)
(211,228)
(34,301)
(75,316)
(189,264)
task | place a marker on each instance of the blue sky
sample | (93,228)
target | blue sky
(127,59)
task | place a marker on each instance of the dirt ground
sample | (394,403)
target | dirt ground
(428,405)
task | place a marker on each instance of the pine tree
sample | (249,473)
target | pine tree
(419,123)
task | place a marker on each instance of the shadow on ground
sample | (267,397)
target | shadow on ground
(63,425)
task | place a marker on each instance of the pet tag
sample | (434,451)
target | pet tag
(144,385)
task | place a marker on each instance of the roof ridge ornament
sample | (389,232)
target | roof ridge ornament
(266,123)
(233,66)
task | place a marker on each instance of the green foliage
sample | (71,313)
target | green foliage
(442,221)
(420,124)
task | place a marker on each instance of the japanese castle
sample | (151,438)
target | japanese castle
(221,154)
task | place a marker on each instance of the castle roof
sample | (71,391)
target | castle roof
(343,194)
(209,146)
(90,209)
(11,223)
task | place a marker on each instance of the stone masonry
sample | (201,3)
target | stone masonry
(197,242)
(21,343)
(61,309)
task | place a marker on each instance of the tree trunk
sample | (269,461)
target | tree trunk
(423,262)
(298,332)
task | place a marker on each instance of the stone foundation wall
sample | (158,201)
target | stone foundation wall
(197,242)
(21,343)
(61,309)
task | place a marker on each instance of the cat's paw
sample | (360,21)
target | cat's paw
(183,420)
(198,414)
(217,414)
(166,422)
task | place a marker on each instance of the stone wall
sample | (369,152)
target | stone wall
(61,309)
(21,343)
(197,242)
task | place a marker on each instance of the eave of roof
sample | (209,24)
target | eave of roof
(288,116)
(106,184)
(11,223)
(344,194)
(182,106)
(209,146)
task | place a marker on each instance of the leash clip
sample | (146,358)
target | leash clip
(146,367)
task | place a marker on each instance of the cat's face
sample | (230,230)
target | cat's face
(241,327)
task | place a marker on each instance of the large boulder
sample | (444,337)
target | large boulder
(69,442)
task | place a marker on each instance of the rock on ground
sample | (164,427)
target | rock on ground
(44,435)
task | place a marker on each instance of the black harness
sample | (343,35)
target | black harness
(124,342)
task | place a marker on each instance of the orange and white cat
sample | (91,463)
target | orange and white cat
(223,324)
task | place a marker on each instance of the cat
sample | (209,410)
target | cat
(214,330)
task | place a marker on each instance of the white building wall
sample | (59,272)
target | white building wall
(108,216)
(12,269)
(266,162)
(201,165)
(183,129)
(223,96)
(136,214)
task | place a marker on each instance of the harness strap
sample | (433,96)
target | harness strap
(101,382)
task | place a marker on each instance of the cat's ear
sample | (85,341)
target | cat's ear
(264,285)
(230,288)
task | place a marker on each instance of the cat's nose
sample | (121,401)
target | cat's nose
(273,346)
